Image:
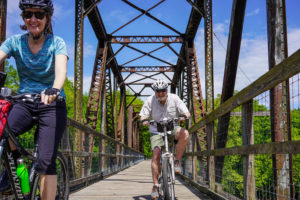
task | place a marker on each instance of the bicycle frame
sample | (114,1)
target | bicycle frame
(5,152)
(167,154)
(167,178)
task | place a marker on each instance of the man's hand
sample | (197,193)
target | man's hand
(145,122)
(182,118)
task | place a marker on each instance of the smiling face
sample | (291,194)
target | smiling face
(161,95)
(34,20)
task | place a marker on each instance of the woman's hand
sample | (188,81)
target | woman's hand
(49,95)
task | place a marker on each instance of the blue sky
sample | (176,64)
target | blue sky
(253,60)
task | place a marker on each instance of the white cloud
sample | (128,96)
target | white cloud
(13,18)
(89,50)
(253,59)
(60,11)
(254,12)
(293,40)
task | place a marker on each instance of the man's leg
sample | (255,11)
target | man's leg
(181,135)
(155,164)
(48,187)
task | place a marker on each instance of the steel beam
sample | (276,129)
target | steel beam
(279,99)
(78,79)
(146,39)
(133,69)
(190,33)
(3,12)
(101,34)
(231,64)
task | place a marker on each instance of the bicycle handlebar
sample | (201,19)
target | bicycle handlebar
(164,122)
(25,97)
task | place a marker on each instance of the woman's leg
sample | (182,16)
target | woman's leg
(48,186)
(52,123)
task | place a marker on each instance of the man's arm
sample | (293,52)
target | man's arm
(145,112)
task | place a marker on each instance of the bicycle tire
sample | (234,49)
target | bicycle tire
(62,191)
(168,186)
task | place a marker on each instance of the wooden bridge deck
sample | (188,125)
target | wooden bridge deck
(134,183)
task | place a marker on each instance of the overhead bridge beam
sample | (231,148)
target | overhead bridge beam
(146,39)
(148,69)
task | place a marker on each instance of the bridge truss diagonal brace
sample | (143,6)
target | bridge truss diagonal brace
(191,30)
(231,64)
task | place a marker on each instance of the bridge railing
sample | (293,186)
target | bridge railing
(98,158)
(253,164)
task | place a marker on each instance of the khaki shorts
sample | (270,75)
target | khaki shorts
(157,140)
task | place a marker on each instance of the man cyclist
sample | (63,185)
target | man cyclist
(158,106)
(41,60)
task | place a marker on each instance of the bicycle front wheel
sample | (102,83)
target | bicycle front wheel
(168,182)
(62,191)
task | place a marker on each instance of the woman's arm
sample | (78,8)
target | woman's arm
(60,77)
(3,56)
(60,71)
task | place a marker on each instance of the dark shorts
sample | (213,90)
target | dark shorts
(52,121)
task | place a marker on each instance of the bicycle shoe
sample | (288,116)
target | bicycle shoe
(177,167)
(155,193)
(4,182)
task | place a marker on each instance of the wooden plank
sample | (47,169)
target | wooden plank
(281,72)
(248,160)
(132,183)
(292,147)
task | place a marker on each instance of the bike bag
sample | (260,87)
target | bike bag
(170,127)
(4,109)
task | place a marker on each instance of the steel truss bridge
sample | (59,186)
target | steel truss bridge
(97,145)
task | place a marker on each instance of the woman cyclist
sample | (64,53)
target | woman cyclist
(41,60)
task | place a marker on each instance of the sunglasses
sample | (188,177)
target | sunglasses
(164,90)
(38,15)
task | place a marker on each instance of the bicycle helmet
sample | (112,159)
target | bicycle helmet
(42,4)
(160,85)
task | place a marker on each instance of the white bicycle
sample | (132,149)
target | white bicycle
(167,177)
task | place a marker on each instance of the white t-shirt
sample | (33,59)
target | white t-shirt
(153,109)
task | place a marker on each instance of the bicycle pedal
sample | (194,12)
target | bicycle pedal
(159,180)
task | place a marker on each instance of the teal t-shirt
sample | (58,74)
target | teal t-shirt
(36,71)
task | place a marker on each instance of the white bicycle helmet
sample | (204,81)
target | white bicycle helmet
(160,85)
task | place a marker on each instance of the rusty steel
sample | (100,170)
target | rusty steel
(109,104)
(146,39)
(191,30)
(92,112)
(143,12)
(231,64)
(279,98)
(89,9)
(133,69)
(209,68)
(205,137)
(3,13)
(78,79)
(146,54)
(146,12)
